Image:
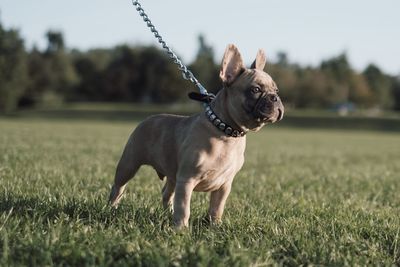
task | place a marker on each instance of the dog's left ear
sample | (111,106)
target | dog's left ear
(260,61)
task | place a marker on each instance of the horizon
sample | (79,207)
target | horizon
(326,29)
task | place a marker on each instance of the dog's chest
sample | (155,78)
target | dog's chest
(219,168)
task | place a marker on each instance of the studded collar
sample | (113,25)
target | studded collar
(222,126)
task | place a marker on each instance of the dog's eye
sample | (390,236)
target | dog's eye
(255,90)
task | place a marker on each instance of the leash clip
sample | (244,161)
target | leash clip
(205,98)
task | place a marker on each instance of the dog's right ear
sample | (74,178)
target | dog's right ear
(232,65)
(260,61)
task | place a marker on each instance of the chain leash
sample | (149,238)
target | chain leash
(186,73)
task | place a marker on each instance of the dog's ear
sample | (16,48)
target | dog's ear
(232,65)
(260,61)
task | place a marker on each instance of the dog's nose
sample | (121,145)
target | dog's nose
(273,97)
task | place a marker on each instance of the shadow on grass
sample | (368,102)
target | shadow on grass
(97,212)
(86,212)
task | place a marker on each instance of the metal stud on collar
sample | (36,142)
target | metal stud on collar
(222,126)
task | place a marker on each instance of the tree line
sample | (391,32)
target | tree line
(56,74)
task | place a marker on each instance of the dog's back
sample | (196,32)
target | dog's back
(155,142)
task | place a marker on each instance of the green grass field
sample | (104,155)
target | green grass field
(303,197)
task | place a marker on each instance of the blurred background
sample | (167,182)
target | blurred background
(336,58)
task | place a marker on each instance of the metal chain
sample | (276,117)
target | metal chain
(186,73)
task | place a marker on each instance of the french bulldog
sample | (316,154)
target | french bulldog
(203,152)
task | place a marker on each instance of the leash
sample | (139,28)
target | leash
(203,95)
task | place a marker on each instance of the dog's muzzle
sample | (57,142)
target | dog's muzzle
(267,106)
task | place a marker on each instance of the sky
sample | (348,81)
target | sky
(309,31)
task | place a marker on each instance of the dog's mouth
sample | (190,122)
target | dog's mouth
(267,110)
(270,117)
(280,114)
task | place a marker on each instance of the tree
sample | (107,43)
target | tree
(204,67)
(380,85)
(13,73)
(52,76)
(346,85)
(312,89)
(55,41)
(286,77)
(283,59)
(143,74)
(396,92)
(146,74)
(338,72)
(39,74)
(90,67)
(360,92)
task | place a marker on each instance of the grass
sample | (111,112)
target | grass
(303,197)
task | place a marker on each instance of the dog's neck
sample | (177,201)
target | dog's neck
(220,107)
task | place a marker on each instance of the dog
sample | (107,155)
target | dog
(203,152)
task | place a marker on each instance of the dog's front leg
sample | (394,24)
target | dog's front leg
(217,202)
(168,192)
(183,194)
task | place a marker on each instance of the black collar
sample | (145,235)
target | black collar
(222,126)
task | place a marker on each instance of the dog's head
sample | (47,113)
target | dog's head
(253,99)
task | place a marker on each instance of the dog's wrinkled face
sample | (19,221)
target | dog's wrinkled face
(253,97)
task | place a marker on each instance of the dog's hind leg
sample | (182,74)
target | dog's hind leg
(168,192)
(126,169)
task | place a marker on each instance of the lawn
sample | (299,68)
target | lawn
(304,197)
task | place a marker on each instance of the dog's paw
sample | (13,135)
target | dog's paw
(115,196)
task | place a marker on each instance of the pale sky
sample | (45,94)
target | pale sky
(308,30)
